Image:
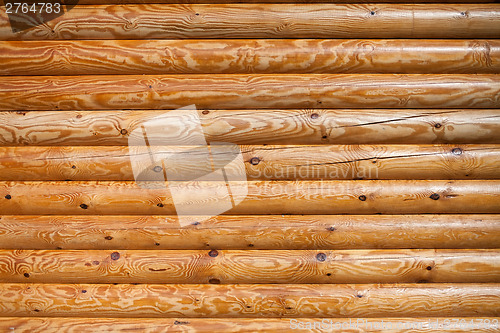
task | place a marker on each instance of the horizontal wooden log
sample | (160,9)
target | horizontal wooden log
(330,162)
(274,21)
(263,197)
(345,126)
(249,91)
(270,325)
(250,232)
(250,301)
(250,266)
(248,56)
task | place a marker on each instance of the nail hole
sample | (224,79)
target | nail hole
(438,125)
(157,244)
(372,13)
(331,228)
(250,245)
(115,256)
(213,253)
(324,137)
(196,223)
(108,238)
(314,116)
(359,296)
(428,268)
(457,151)
(84,291)
(84,206)
(73,167)
(26,275)
(434,196)
(362,197)
(328,274)
(157,168)
(254,161)
(321,256)
(197,14)
(205,112)
(123,131)
(160,205)
(8,197)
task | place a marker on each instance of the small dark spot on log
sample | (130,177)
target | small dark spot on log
(314,116)
(73,167)
(67,180)
(196,223)
(84,206)
(213,253)
(457,151)
(8,197)
(160,205)
(21,113)
(422,281)
(434,196)
(197,14)
(157,244)
(214,281)
(359,296)
(84,291)
(206,244)
(150,86)
(321,256)
(372,13)
(324,137)
(78,116)
(467,175)
(254,160)
(115,256)
(250,245)
(36,310)
(462,13)
(331,229)
(26,275)
(108,238)
(123,131)
(158,270)
(58,248)
(328,274)
(428,268)
(288,308)
(438,125)
(320,102)
(205,112)
(177,322)
(95,262)
(362,197)
(374,161)
(157,169)
(87,264)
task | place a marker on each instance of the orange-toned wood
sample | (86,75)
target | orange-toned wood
(250,266)
(250,232)
(344,126)
(250,301)
(270,325)
(274,21)
(249,91)
(249,56)
(275,197)
(274,162)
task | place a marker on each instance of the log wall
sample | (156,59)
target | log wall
(369,135)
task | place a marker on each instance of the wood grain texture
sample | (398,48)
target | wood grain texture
(319,126)
(250,301)
(329,162)
(250,266)
(264,197)
(249,56)
(248,325)
(249,91)
(156,21)
(270,232)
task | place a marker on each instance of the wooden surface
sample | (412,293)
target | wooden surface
(274,21)
(370,140)
(249,91)
(271,325)
(250,301)
(272,232)
(289,127)
(70,57)
(327,162)
(275,197)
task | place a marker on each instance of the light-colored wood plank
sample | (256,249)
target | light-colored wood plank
(250,232)
(249,325)
(250,266)
(273,197)
(249,56)
(321,126)
(99,92)
(250,301)
(274,21)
